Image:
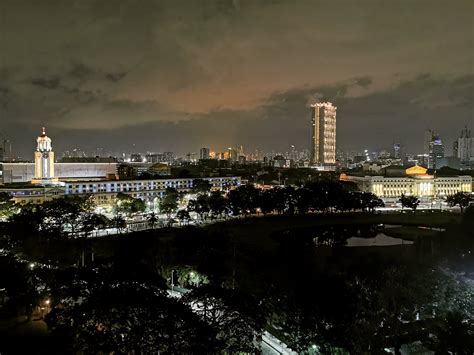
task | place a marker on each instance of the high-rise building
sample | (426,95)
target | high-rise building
(136,158)
(44,161)
(455,148)
(169,157)
(436,152)
(465,149)
(204,153)
(397,150)
(427,138)
(232,154)
(323,145)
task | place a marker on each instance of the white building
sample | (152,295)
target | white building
(105,192)
(25,172)
(416,182)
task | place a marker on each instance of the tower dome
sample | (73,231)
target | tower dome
(43,142)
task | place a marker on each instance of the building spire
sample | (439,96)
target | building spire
(43,129)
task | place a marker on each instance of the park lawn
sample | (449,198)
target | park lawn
(257,231)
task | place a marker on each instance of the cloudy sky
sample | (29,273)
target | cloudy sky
(177,75)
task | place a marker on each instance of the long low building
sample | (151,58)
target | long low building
(415,182)
(105,192)
(11,173)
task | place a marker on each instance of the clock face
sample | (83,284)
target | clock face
(45,155)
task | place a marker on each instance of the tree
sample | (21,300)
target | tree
(152,219)
(201,186)
(303,200)
(244,200)
(237,317)
(128,205)
(89,223)
(183,216)
(119,223)
(217,203)
(169,202)
(370,201)
(454,335)
(468,220)
(7,206)
(411,202)
(65,216)
(266,201)
(461,199)
(124,318)
(200,205)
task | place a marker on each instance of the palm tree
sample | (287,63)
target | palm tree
(119,223)
(152,219)
(183,216)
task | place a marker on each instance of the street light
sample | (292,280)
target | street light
(172,280)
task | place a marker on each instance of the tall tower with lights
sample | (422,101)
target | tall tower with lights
(323,144)
(44,161)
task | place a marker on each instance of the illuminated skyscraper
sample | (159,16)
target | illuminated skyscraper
(323,144)
(436,152)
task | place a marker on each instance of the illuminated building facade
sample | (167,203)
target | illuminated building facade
(416,182)
(44,161)
(436,152)
(323,144)
(105,192)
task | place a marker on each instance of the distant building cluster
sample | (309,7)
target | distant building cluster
(434,155)
(323,155)
(45,179)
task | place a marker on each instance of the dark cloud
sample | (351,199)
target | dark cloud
(115,76)
(365,81)
(81,71)
(374,120)
(47,83)
(178,74)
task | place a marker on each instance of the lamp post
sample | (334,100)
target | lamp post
(172,280)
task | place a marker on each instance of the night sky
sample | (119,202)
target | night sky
(177,75)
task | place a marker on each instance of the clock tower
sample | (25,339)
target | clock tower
(44,161)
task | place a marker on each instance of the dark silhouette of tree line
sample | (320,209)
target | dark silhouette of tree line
(247,200)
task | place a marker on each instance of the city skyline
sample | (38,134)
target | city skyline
(175,76)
